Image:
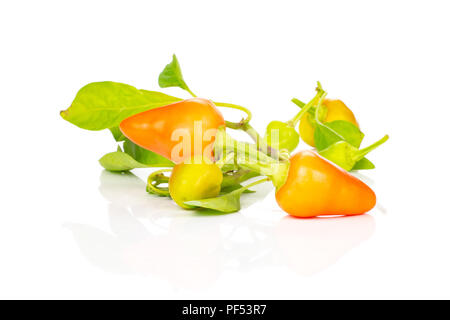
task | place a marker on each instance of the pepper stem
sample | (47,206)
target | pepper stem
(319,105)
(245,126)
(190,92)
(305,108)
(247,156)
(242,189)
(299,103)
(237,107)
(155,179)
(261,143)
(363,152)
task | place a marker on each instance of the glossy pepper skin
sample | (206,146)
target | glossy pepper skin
(335,110)
(316,187)
(288,138)
(195,180)
(154,129)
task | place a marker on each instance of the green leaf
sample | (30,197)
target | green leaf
(133,157)
(119,161)
(117,134)
(363,164)
(348,131)
(233,187)
(171,76)
(341,153)
(102,105)
(237,177)
(324,137)
(145,156)
(347,156)
(228,203)
(329,133)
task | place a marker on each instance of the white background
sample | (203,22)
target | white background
(70,230)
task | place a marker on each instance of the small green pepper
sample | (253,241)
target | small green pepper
(345,155)
(193,181)
(282,135)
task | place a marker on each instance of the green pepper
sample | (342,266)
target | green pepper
(345,155)
(198,179)
(282,135)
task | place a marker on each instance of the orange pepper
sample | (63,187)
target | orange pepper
(316,187)
(162,129)
(335,110)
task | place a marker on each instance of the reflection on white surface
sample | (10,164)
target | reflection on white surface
(311,245)
(151,236)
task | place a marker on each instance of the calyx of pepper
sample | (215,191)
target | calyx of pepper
(346,156)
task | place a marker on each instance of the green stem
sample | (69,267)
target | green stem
(253,184)
(277,172)
(261,143)
(260,167)
(190,92)
(298,102)
(155,179)
(319,86)
(247,156)
(363,152)
(305,108)
(301,104)
(302,112)
(226,144)
(245,126)
(319,105)
(237,107)
(225,159)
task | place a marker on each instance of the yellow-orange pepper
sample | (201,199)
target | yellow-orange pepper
(194,180)
(334,110)
(316,187)
(161,129)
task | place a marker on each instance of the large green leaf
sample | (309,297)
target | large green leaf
(102,105)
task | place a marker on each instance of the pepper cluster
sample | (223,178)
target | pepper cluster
(205,168)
